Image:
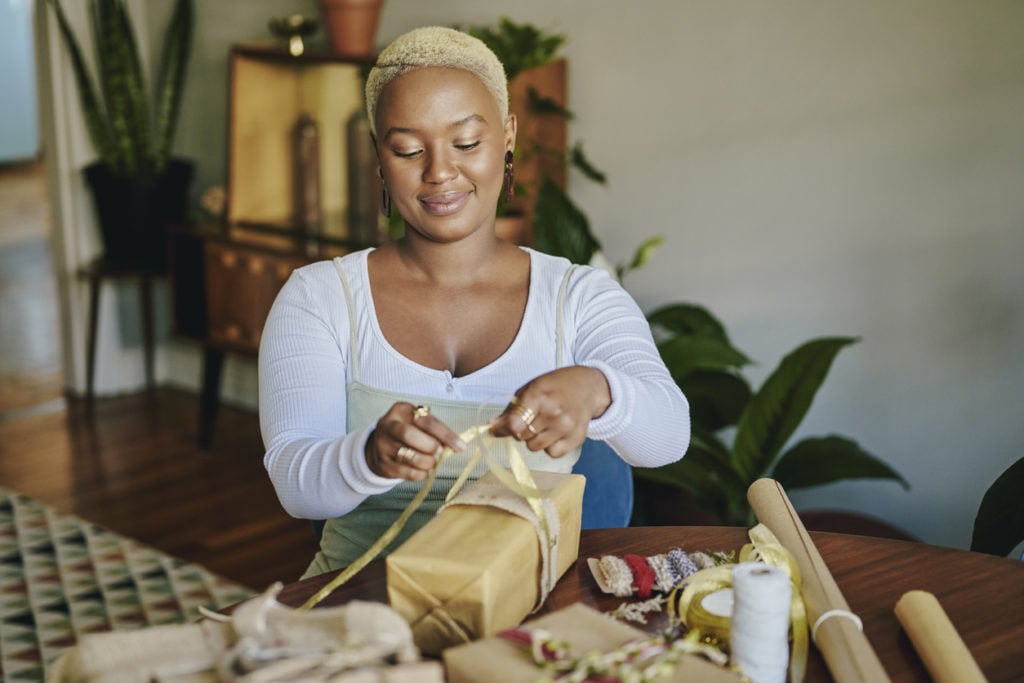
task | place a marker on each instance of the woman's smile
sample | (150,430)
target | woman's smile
(445,203)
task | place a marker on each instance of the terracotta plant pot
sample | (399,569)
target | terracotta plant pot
(351,25)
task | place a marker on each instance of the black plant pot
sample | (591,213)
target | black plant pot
(134,212)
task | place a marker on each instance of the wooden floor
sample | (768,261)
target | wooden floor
(134,467)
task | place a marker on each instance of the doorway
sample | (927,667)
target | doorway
(31,376)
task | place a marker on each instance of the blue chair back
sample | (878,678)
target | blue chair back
(608,497)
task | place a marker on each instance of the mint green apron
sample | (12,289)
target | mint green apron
(346,538)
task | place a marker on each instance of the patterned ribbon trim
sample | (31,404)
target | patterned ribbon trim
(520,481)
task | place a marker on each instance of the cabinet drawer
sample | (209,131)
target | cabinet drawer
(241,286)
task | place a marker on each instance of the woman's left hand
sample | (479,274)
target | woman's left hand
(552,412)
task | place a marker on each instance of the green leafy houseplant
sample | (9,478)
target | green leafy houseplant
(999,524)
(136,184)
(706,366)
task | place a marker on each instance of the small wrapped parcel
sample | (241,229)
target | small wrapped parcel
(486,560)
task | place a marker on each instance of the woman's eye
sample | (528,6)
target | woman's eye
(468,146)
(404,154)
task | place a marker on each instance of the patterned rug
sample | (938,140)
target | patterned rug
(61,576)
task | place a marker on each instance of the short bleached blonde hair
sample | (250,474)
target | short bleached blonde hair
(436,46)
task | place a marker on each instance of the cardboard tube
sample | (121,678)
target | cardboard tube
(847,652)
(935,638)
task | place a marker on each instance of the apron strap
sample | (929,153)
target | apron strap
(353,336)
(560,314)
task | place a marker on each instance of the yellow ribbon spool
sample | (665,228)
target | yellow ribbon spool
(688,609)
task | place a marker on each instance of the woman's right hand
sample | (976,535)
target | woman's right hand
(407,442)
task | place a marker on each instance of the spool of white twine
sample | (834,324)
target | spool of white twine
(759,630)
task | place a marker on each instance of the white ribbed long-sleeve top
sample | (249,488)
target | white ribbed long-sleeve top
(318,466)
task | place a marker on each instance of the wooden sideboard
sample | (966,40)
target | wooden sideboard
(223,282)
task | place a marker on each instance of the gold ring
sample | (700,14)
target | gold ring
(405,454)
(526,414)
(421,411)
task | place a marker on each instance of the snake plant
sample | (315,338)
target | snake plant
(131,133)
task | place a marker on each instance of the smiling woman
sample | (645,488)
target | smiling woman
(372,364)
(447,159)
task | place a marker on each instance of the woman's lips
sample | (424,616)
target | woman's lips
(445,204)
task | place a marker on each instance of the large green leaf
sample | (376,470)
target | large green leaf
(560,228)
(716,398)
(683,355)
(95,118)
(823,460)
(776,410)
(999,524)
(687,319)
(171,80)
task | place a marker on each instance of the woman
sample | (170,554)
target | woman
(370,365)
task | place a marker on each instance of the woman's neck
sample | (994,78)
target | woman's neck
(452,263)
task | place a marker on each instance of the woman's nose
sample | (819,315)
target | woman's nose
(440,168)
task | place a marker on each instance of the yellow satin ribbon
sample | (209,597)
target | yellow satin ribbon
(519,481)
(763,547)
(689,610)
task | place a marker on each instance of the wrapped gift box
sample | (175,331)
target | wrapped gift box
(474,570)
(586,630)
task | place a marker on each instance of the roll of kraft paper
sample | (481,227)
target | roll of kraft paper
(759,632)
(835,630)
(935,638)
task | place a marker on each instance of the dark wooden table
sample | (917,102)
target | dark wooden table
(982,594)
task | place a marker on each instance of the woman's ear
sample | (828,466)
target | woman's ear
(511,126)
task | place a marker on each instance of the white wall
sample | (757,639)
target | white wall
(823,168)
(817,168)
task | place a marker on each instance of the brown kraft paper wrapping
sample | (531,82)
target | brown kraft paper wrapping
(847,652)
(474,570)
(935,638)
(586,629)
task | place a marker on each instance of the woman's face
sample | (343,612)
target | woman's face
(441,142)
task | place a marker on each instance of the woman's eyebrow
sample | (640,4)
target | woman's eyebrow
(472,118)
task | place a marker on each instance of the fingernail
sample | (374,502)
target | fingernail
(460,445)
